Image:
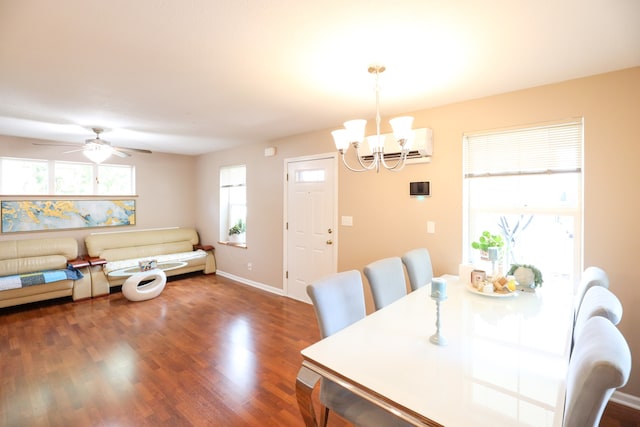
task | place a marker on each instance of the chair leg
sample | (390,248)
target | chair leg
(324,415)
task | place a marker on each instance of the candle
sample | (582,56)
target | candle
(438,289)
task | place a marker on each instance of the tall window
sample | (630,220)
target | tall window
(526,185)
(233,204)
(43,177)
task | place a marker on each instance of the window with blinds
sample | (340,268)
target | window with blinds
(553,148)
(526,185)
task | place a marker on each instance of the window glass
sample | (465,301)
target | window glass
(24,176)
(312,175)
(73,178)
(115,179)
(233,204)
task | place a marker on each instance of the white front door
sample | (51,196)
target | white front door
(310,215)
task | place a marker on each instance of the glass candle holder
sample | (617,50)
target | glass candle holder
(439,289)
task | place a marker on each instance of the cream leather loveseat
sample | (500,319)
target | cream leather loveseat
(37,269)
(115,256)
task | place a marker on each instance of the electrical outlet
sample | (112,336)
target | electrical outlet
(249,266)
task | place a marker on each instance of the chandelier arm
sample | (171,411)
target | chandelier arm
(399,165)
(364,165)
(352,169)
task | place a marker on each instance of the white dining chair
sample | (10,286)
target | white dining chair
(597,301)
(600,363)
(419,269)
(591,276)
(338,300)
(386,280)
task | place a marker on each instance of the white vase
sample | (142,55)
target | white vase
(524,276)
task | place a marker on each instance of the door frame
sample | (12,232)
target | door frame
(285,240)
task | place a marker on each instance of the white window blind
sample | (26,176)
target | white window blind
(555,148)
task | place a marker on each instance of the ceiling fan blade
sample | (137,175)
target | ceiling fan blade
(137,150)
(119,153)
(57,144)
(73,151)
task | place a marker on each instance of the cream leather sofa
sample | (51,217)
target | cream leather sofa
(115,256)
(22,257)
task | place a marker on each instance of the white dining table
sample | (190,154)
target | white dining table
(505,362)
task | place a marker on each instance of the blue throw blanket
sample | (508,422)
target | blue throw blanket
(42,277)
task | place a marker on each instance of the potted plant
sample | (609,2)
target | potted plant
(489,245)
(235,231)
(526,275)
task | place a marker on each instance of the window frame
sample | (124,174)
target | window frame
(232,178)
(52,166)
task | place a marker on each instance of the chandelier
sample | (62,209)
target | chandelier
(353,134)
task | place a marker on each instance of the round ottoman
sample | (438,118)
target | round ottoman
(133,291)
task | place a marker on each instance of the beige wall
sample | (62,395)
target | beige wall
(387,222)
(165,185)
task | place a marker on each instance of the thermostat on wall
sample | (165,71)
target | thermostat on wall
(422,188)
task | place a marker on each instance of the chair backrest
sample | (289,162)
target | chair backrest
(591,276)
(338,300)
(386,279)
(419,269)
(597,301)
(600,363)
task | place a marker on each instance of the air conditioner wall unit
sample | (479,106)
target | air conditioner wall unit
(421,150)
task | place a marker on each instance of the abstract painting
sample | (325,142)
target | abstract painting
(39,215)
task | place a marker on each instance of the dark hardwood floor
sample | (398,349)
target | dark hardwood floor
(207,352)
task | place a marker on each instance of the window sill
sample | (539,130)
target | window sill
(237,245)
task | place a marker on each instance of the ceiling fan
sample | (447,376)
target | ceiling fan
(98,150)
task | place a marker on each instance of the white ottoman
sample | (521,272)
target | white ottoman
(133,291)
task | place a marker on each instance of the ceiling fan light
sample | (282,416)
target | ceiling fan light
(97,153)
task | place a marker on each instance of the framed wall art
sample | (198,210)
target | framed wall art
(42,215)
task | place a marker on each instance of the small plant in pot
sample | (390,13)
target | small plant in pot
(237,230)
(489,246)
(526,275)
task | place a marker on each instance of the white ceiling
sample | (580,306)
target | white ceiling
(195,76)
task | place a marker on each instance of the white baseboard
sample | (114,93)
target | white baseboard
(626,400)
(244,281)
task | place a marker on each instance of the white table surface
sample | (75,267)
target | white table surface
(505,363)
